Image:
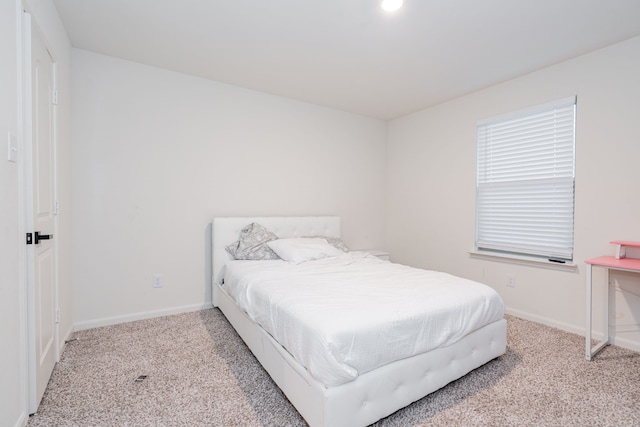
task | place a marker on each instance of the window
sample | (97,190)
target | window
(525,181)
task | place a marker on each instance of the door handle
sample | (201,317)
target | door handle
(37,237)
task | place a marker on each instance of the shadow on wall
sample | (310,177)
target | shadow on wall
(207,263)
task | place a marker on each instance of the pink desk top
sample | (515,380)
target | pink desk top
(612,262)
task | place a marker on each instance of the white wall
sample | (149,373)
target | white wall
(13,386)
(431,185)
(157,154)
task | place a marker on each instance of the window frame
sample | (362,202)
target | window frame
(488,229)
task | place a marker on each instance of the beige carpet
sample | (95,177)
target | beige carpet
(199,373)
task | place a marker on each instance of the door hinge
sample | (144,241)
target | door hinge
(56,208)
(29,238)
(57,315)
(54,97)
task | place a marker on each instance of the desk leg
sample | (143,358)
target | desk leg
(591,351)
(607,315)
(588,313)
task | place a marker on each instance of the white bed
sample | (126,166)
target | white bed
(371,395)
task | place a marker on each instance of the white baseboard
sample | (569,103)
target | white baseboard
(67,335)
(549,322)
(597,335)
(22,421)
(626,343)
(63,342)
(107,321)
(622,342)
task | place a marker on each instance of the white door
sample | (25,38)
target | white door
(41,253)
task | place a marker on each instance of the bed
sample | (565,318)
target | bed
(347,399)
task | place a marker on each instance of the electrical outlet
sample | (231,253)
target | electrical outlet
(511,281)
(157,281)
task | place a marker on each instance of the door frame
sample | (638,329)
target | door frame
(28,25)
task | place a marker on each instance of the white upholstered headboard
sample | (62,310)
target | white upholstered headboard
(226,230)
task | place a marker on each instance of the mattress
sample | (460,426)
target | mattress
(345,316)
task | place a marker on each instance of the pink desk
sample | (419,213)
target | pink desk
(610,263)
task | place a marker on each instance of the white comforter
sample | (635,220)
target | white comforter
(343,317)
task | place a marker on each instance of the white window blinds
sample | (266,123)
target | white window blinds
(525,182)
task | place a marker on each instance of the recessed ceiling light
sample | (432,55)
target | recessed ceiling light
(391,5)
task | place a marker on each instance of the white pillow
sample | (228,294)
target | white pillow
(300,249)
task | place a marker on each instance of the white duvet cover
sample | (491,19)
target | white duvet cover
(346,316)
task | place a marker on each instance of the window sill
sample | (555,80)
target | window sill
(523,260)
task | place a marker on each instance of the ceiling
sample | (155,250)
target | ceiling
(349,54)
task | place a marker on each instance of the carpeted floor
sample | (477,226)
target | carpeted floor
(199,373)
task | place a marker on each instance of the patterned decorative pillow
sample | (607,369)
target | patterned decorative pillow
(252,244)
(336,242)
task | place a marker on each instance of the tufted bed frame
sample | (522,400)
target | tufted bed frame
(371,396)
